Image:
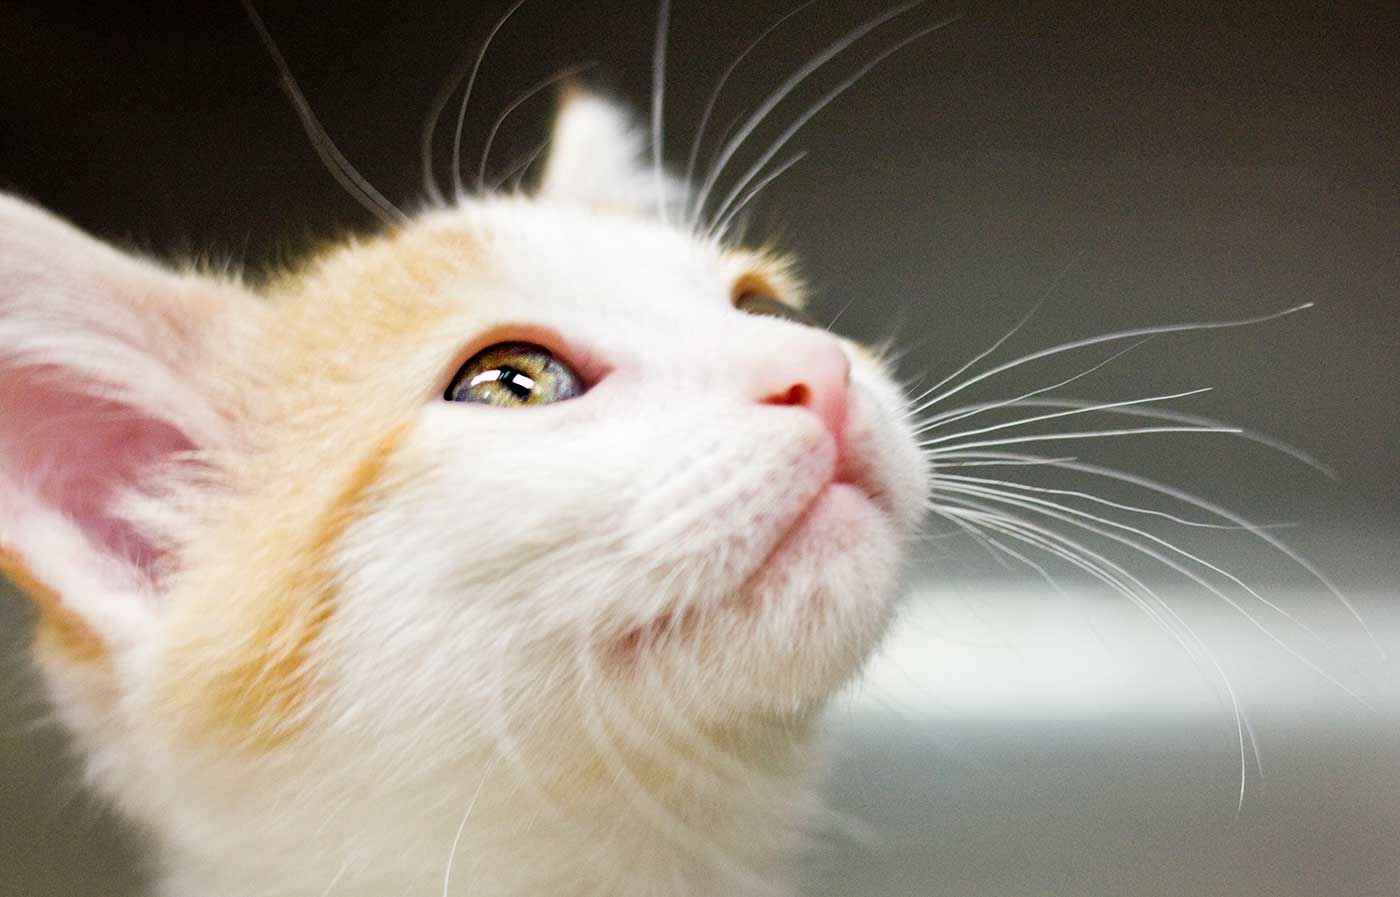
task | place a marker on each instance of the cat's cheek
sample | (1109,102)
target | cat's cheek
(883,446)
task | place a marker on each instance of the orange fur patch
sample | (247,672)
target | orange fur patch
(256,696)
(60,630)
(769,272)
(353,348)
(343,374)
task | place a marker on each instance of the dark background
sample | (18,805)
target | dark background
(1159,162)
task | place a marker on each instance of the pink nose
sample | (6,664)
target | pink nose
(811,373)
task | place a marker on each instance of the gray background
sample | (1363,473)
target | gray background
(1157,162)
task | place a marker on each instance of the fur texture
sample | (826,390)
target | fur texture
(319,631)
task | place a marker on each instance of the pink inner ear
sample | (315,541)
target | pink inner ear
(76,451)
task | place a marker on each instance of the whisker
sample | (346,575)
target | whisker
(435,110)
(832,323)
(957,414)
(786,87)
(1090,434)
(1113,337)
(340,168)
(457,186)
(773,175)
(821,104)
(695,143)
(1202,504)
(1182,521)
(520,168)
(1127,403)
(1178,417)
(658,92)
(461,827)
(1068,515)
(515,104)
(1040,462)
(1066,549)
(1138,593)
(1040,301)
(1038,569)
(1053,509)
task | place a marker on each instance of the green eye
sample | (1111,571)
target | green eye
(761,304)
(510,374)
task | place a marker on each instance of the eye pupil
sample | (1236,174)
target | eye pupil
(516,382)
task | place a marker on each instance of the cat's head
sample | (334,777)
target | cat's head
(542,476)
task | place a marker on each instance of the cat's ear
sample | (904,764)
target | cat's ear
(107,379)
(596,159)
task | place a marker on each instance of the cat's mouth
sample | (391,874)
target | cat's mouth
(819,551)
(854,492)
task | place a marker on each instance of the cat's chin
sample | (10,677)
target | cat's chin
(794,632)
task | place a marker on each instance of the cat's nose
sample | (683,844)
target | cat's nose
(815,375)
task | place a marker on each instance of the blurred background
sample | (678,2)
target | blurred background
(1027,731)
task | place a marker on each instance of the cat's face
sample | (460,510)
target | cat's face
(696,519)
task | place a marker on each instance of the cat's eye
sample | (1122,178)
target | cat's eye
(510,374)
(763,304)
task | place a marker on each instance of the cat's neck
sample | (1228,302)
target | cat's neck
(702,825)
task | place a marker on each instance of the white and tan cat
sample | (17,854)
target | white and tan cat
(511,552)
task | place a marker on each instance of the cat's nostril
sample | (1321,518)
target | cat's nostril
(793,367)
(798,394)
(817,379)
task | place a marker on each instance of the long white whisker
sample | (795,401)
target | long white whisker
(1067,550)
(1070,493)
(1175,416)
(1038,569)
(457,186)
(1112,337)
(722,226)
(821,104)
(786,87)
(658,93)
(832,323)
(957,414)
(1127,403)
(1134,589)
(435,110)
(695,143)
(1090,434)
(1199,503)
(993,461)
(1054,509)
(1078,519)
(515,104)
(1044,297)
(462,826)
(340,168)
(517,171)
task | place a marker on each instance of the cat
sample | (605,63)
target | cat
(512,551)
(515,550)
